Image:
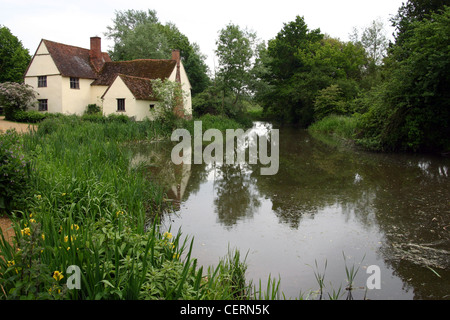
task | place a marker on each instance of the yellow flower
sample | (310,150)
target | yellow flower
(10,263)
(32,221)
(66,238)
(63,194)
(26,231)
(120,212)
(74,226)
(57,275)
(167,235)
(176,256)
(38,197)
(43,236)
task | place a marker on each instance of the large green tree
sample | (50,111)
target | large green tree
(140,35)
(14,58)
(235,51)
(302,62)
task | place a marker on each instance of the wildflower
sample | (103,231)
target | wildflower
(43,236)
(74,226)
(167,235)
(176,256)
(120,212)
(10,264)
(39,197)
(32,221)
(57,275)
(63,194)
(26,231)
(66,238)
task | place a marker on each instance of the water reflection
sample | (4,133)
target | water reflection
(391,209)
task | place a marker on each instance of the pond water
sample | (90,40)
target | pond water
(328,206)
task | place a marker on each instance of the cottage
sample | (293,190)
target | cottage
(68,78)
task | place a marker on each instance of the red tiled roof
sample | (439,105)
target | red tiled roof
(144,68)
(141,88)
(72,61)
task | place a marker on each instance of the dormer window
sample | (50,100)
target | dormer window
(74,83)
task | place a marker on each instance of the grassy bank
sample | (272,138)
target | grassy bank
(343,127)
(81,205)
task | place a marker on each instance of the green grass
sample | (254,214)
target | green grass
(340,126)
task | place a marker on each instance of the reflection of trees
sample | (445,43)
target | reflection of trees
(235,196)
(404,196)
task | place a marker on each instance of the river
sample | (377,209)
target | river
(330,206)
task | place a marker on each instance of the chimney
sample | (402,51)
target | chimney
(95,53)
(177,57)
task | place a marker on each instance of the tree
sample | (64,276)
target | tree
(412,11)
(375,42)
(140,35)
(301,62)
(414,113)
(235,50)
(14,58)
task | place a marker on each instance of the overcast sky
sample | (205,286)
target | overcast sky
(74,22)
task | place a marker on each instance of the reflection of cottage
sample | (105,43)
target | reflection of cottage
(68,78)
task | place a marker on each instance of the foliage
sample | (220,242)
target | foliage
(14,58)
(301,62)
(15,97)
(341,126)
(329,101)
(374,41)
(235,50)
(93,109)
(170,97)
(412,113)
(31,116)
(140,35)
(14,170)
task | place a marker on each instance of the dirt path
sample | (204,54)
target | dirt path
(20,127)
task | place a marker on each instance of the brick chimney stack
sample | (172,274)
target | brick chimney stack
(95,53)
(177,57)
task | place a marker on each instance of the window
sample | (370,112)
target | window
(74,83)
(43,104)
(42,81)
(120,104)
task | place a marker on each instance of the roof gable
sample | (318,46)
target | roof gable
(141,88)
(72,61)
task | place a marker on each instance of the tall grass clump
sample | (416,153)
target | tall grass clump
(340,126)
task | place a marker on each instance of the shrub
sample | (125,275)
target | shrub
(29,116)
(13,170)
(15,97)
(329,101)
(93,109)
